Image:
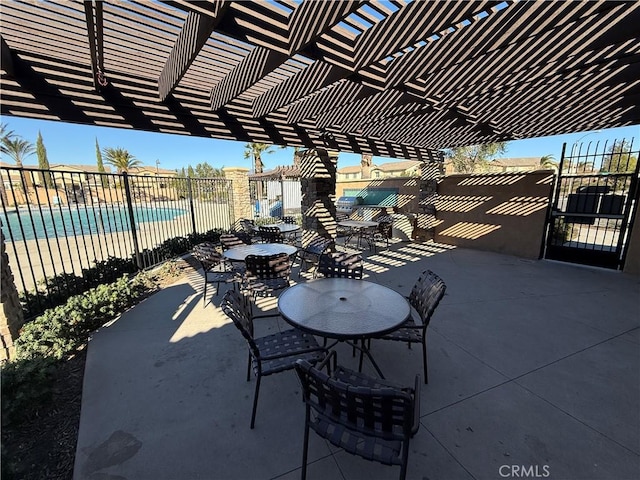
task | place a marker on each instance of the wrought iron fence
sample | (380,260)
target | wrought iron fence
(275,198)
(594,203)
(60,224)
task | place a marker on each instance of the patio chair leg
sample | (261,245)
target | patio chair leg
(305,447)
(255,402)
(249,369)
(424,360)
(204,295)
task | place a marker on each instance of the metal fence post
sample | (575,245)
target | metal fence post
(193,214)
(132,221)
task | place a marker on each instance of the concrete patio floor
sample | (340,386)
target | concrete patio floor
(534,371)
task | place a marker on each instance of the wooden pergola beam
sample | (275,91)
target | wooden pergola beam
(250,70)
(311,19)
(318,75)
(194,34)
(6,57)
(95,35)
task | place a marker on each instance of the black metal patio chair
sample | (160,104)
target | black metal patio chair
(367,417)
(424,298)
(234,239)
(270,354)
(341,265)
(214,267)
(313,251)
(270,234)
(266,275)
(248,228)
(372,235)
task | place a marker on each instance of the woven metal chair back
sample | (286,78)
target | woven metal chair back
(268,266)
(318,245)
(247,226)
(426,295)
(230,240)
(237,307)
(289,220)
(341,265)
(270,234)
(207,255)
(385,413)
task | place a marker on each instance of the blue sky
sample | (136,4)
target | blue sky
(75,144)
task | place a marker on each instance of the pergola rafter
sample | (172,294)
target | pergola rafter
(390,78)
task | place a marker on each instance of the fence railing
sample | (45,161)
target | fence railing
(275,198)
(58,223)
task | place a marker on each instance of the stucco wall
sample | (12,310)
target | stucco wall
(502,213)
(632,261)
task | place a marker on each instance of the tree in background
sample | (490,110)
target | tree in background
(103,178)
(254,151)
(204,170)
(17,148)
(619,159)
(190,172)
(43,161)
(121,159)
(5,135)
(548,162)
(474,158)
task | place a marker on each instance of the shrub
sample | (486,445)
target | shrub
(26,384)
(63,329)
(55,290)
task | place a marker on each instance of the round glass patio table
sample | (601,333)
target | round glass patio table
(238,254)
(357,224)
(344,309)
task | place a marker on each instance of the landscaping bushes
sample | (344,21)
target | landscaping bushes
(58,333)
(55,290)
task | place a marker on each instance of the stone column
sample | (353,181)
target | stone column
(318,182)
(240,198)
(11,318)
(426,221)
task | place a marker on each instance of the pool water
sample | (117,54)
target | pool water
(70,221)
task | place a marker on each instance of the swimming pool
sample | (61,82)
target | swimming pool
(81,220)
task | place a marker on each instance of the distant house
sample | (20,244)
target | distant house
(406,168)
(522,164)
(501,165)
(63,173)
(152,171)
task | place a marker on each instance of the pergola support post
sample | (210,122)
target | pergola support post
(11,316)
(241,198)
(318,182)
(432,171)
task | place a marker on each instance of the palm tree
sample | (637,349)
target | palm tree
(548,161)
(255,151)
(121,159)
(17,148)
(5,134)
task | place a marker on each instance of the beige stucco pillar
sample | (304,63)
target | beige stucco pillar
(11,318)
(240,197)
(318,182)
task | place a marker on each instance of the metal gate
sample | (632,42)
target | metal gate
(275,197)
(594,204)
